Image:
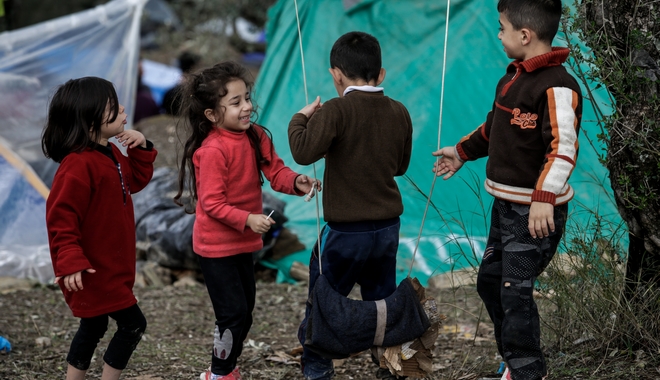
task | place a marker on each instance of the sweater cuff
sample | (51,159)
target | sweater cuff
(150,146)
(69,261)
(295,189)
(460,153)
(544,196)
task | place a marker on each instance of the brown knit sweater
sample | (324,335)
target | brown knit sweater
(531,134)
(366,139)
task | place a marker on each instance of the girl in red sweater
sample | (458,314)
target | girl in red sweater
(225,160)
(89,217)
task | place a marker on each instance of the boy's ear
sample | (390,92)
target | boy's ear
(210,115)
(337,75)
(381,76)
(526,36)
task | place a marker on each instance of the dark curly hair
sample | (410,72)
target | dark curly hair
(203,90)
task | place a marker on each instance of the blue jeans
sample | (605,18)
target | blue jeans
(361,253)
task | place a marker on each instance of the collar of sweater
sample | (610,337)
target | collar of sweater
(225,133)
(365,88)
(556,57)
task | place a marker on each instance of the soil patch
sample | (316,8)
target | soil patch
(178,339)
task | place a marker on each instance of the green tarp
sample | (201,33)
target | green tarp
(411,34)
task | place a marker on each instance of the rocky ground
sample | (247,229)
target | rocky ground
(178,339)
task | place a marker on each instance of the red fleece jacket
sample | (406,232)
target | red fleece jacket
(90,221)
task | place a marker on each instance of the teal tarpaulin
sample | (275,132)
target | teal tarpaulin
(411,34)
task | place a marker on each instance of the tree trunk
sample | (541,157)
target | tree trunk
(625,38)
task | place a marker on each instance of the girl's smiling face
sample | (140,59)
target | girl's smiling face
(234,109)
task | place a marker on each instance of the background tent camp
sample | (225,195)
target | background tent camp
(102,42)
(411,34)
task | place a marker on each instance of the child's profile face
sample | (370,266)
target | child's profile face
(111,129)
(236,107)
(511,39)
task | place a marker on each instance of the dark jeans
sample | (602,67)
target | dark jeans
(511,263)
(231,287)
(361,253)
(130,327)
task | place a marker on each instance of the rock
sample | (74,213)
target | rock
(12,284)
(42,341)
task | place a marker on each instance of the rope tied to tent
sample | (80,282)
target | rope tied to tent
(442,101)
(307,198)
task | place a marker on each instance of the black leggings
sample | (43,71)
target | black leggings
(230,283)
(130,327)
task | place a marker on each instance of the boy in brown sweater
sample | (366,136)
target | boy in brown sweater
(366,140)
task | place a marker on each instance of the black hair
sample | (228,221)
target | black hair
(76,114)
(540,16)
(200,91)
(357,55)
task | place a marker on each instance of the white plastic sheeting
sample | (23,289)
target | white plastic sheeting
(34,61)
(102,42)
(23,238)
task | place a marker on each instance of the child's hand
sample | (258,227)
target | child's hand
(305,184)
(132,138)
(541,219)
(309,109)
(259,223)
(448,163)
(73,282)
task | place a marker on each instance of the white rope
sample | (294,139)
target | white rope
(302,59)
(442,101)
(302,54)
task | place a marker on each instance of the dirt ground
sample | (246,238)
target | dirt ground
(178,339)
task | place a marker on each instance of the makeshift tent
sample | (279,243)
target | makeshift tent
(411,34)
(23,239)
(102,42)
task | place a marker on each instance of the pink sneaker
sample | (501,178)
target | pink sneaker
(507,375)
(234,375)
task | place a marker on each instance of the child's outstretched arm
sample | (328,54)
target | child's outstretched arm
(132,138)
(448,163)
(73,281)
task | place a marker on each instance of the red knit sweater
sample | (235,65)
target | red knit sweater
(228,190)
(90,222)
